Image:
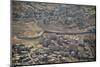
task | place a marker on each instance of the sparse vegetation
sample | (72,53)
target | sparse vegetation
(44,33)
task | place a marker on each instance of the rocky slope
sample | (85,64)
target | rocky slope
(45,33)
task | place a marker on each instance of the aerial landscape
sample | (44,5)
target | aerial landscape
(52,33)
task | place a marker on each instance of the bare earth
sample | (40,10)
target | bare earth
(48,33)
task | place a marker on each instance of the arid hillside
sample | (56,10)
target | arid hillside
(45,33)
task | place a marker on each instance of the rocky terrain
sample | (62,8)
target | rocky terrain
(48,33)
